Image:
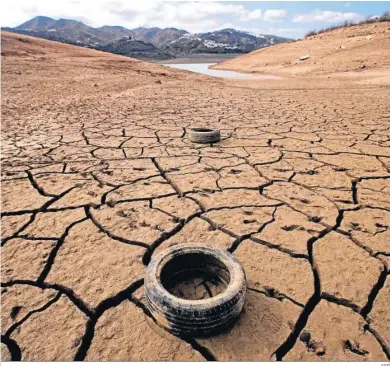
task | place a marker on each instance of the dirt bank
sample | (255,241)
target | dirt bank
(362,50)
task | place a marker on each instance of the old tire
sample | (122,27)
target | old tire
(204,135)
(194,317)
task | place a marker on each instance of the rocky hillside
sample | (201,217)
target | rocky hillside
(358,48)
(67,30)
(157,36)
(75,31)
(222,41)
(114,39)
(137,49)
(167,42)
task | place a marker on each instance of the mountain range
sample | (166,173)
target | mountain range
(145,43)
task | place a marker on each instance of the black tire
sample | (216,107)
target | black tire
(204,135)
(194,317)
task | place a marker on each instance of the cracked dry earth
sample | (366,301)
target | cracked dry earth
(98,175)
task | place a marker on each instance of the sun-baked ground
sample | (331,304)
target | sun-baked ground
(98,175)
(361,52)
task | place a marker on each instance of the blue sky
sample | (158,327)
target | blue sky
(301,16)
(287,19)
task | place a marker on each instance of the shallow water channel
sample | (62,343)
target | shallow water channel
(203,68)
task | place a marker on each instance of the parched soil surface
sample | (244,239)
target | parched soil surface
(98,175)
(361,51)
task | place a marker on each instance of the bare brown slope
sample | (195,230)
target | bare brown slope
(344,49)
(39,70)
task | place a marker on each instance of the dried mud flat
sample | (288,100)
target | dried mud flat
(98,175)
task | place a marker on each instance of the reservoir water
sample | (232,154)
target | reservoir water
(203,68)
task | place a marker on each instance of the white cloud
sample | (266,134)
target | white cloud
(327,16)
(193,16)
(281,32)
(274,15)
(255,14)
(286,32)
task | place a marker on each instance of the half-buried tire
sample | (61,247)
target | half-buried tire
(204,135)
(185,317)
